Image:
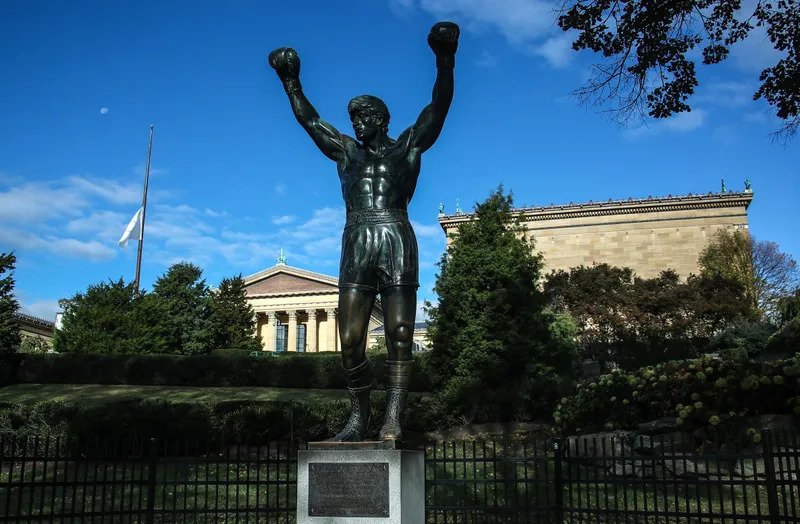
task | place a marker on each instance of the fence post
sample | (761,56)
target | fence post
(769,472)
(151,482)
(558,482)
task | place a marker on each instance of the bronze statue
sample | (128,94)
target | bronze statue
(378,176)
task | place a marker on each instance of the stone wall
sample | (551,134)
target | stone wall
(648,235)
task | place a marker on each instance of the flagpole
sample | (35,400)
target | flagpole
(144,211)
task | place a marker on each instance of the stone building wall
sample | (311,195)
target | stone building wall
(648,235)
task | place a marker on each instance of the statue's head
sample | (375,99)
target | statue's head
(369,115)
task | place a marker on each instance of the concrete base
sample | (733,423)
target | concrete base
(360,486)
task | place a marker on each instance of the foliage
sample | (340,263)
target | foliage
(252,422)
(34,345)
(231,317)
(180,316)
(308,370)
(491,353)
(745,339)
(649,51)
(109,318)
(185,298)
(785,341)
(9,328)
(699,392)
(767,274)
(789,307)
(630,321)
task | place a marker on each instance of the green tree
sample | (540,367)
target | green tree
(231,317)
(649,51)
(491,344)
(9,328)
(767,274)
(186,302)
(630,321)
(110,318)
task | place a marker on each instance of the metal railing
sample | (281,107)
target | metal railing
(628,479)
(580,479)
(53,479)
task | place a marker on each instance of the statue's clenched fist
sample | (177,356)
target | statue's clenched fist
(286,63)
(443,38)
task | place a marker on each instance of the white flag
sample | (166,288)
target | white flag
(133,230)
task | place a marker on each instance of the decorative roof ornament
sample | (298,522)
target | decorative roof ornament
(441,208)
(458,208)
(282,257)
(748,186)
(722,180)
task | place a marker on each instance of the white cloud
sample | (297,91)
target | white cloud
(70,247)
(680,123)
(755,52)
(283,220)
(557,49)
(486,59)
(688,121)
(428,230)
(215,214)
(45,309)
(91,250)
(109,190)
(280,188)
(528,25)
(727,94)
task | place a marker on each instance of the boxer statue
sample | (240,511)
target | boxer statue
(378,176)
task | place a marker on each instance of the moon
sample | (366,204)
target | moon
(103,110)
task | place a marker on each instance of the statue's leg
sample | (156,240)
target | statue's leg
(355,307)
(399,310)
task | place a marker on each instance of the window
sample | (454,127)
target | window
(301,337)
(281,336)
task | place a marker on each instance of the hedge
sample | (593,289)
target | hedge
(310,370)
(701,393)
(235,421)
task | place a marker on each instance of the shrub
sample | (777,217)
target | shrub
(232,368)
(747,338)
(694,391)
(236,421)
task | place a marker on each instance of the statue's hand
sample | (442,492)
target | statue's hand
(286,63)
(443,38)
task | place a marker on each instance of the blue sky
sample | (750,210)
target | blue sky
(235,179)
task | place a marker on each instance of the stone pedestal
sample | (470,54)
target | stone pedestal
(339,483)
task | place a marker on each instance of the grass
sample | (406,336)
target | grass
(98,394)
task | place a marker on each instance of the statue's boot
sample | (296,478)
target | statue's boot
(398,375)
(359,384)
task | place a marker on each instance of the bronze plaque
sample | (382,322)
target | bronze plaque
(359,489)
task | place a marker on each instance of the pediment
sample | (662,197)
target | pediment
(287,280)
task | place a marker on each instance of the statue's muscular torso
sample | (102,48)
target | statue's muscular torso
(383,180)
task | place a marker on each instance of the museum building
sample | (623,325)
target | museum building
(648,235)
(296,309)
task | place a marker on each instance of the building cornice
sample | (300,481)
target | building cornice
(289,270)
(617,207)
(30,319)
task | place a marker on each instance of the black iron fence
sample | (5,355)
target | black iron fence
(605,479)
(52,479)
(621,479)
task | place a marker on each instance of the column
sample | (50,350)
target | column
(331,329)
(311,330)
(269,330)
(291,340)
(336,323)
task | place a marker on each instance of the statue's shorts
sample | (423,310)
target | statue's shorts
(379,250)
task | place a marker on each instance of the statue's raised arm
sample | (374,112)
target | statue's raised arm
(443,40)
(286,63)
